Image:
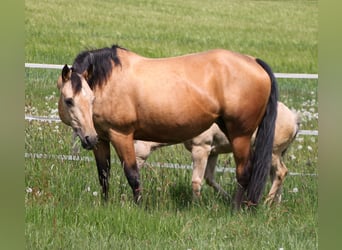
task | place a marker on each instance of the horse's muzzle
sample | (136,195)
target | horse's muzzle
(89,142)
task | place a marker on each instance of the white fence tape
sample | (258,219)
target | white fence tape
(296,75)
(278,75)
(42,118)
(43,66)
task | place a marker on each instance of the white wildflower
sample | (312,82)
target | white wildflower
(295,190)
(28,190)
(53,112)
(309,148)
(292,157)
(56,128)
(95,193)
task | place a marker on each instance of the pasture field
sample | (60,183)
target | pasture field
(63,208)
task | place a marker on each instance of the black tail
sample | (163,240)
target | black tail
(262,155)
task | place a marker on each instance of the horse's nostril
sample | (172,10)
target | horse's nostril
(90,140)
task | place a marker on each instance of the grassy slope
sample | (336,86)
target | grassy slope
(282,33)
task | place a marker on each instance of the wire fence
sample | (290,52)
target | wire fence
(56,119)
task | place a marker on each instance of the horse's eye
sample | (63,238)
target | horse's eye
(69,102)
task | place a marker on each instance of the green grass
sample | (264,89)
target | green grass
(63,209)
(281,32)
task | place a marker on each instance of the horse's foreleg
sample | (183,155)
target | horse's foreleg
(241,150)
(102,157)
(199,155)
(124,147)
(142,150)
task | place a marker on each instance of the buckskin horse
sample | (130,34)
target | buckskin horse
(113,95)
(206,147)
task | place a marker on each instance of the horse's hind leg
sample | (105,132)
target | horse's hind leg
(277,174)
(102,157)
(210,175)
(241,150)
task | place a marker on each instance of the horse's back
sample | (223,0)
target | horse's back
(212,81)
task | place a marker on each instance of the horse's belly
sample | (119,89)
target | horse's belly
(172,131)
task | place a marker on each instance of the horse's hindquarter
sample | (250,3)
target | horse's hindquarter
(246,89)
(285,129)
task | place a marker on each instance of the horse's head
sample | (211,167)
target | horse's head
(75,105)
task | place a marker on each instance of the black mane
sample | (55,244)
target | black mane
(100,60)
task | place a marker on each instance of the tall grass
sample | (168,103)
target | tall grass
(63,208)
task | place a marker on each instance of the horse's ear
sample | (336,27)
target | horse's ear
(89,72)
(66,73)
(59,82)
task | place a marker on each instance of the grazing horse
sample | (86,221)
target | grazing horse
(206,147)
(113,96)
